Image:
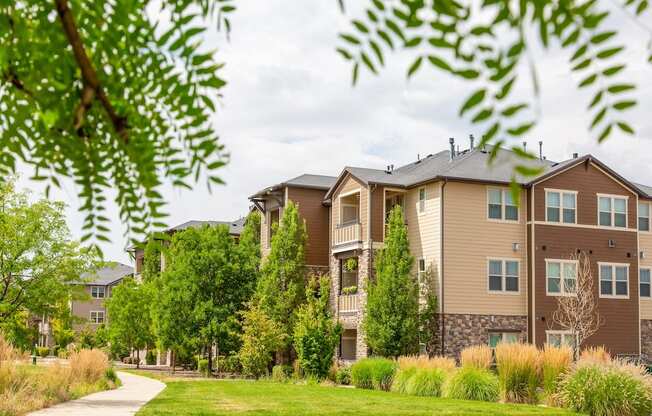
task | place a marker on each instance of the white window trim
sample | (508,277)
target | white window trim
(504,276)
(97,314)
(502,334)
(561,193)
(425,198)
(561,276)
(613,282)
(342,205)
(558,332)
(613,211)
(649,283)
(649,216)
(98,287)
(502,206)
(420,272)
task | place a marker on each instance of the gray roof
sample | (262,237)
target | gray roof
(645,188)
(107,275)
(302,181)
(235,227)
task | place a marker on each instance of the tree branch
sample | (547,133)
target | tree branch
(92,87)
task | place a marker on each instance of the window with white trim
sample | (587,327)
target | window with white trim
(97,317)
(421,270)
(644,283)
(496,337)
(614,280)
(501,205)
(644,216)
(349,213)
(561,207)
(503,275)
(422,200)
(559,338)
(98,292)
(612,211)
(561,277)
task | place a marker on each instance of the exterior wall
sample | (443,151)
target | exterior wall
(377,219)
(470,239)
(350,184)
(645,246)
(139,256)
(265,238)
(82,309)
(315,214)
(646,338)
(463,330)
(620,332)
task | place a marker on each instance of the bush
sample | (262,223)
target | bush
(63,354)
(555,361)
(202,366)
(343,376)
(382,373)
(403,375)
(518,372)
(230,364)
(473,383)
(596,354)
(609,389)
(150,357)
(111,375)
(260,338)
(42,351)
(361,374)
(426,382)
(477,356)
(281,373)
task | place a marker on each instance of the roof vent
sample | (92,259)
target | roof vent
(575,155)
(540,150)
(471,140)
(525,146)
(451,140)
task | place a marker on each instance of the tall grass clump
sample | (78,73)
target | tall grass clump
(518,372)
(473,383)
(361,374)
(612,389)
(426,382)
(88,365)
(477,356)
(555,362)
(422,361)
(596,354)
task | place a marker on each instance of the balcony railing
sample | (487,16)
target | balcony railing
(347,233)
(348,303)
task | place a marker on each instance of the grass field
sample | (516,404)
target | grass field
(233,397)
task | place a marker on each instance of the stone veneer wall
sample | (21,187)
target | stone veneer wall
(463,330)
(646,338)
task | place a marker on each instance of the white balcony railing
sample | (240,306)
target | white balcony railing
(347,233)
(348,303)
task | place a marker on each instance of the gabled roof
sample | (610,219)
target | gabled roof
(235,227)
(108,275)
(302,181)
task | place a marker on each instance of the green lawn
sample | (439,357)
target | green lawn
(229,397)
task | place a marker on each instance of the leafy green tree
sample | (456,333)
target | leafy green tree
(18,332)
(129,317)
(38,259)
(261,337)
(281,288)
(428,314)
(316,333)
(116,105)
(391,319)
(488,43)
(152,259)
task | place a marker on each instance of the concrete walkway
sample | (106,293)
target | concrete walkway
(123,401)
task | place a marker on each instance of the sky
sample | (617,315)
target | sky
(289,108)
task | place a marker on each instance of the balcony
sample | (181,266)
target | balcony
(348,303)
(347,233)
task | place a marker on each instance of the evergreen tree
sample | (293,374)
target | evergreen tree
(391,320)
(281,288)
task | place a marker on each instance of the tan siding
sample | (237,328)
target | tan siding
(315,214)
(82,309)
(469,240)
(645,245)
(347,185)
(270,204)
(423,229)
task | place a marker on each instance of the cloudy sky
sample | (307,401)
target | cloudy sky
(289,108)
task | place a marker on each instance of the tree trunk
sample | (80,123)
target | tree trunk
(137,357)
(174,361)
(210,359)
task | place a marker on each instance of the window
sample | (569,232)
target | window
(503,275)
(644,216)
(561,276)
(561,206)
(614,280)
(496,338)
(349,275)
(422,200)
(97,317)
(421,270)
(501,206)
(348,344)
(644,278)
(97,292)
(612,211)
(349,214)
(559,338)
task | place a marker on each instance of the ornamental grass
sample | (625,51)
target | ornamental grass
(518,367)
(477,356)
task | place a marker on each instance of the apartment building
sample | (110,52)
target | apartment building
(498,265)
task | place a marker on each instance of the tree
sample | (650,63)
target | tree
(152,259)
(38,260)
(316,333)
(391,318)
(489,42)
(261,336)
(428,313)
(281,288)
(114,106)
(129,317)
(579,314)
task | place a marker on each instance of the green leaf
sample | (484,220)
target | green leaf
(490,133)
(385,37)
(413,42)
(356,67)
(642,6)
(624,105)
(596,99)
(440,43)
(601,37)
(516,49)
(345,54)
(528,171)
(394,28)
(511,110)
(579,52)
(350,38)
(468,73)
(607,53)
(588,80)
(618,88)
(438,62)
(585,63)
(367,62)
(473,100)
(483,115)
(572,38)
(613,70)
(379,5)
(360,26)
(625,127)
(598,117)
(377,51)
(415,66)
(504,91)
(605,133)
(520,130)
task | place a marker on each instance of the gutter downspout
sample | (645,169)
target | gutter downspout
(442,326)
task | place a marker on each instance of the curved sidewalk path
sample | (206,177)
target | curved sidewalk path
(123,401)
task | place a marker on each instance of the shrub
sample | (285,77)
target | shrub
(88,365)
(426,382)
(477,356)
(609,389)
(403,375)
(343,376)
(62,353)
(230,364)
(473,383)
(518,372)
(281,373)
(382,373)
(555,361)
(150,357)
(111,375)
(596,354)
(42,351)
(202,366)
(260,338)
(361,374)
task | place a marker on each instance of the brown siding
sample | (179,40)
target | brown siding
(349,183)
(377,212)
(315,214)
